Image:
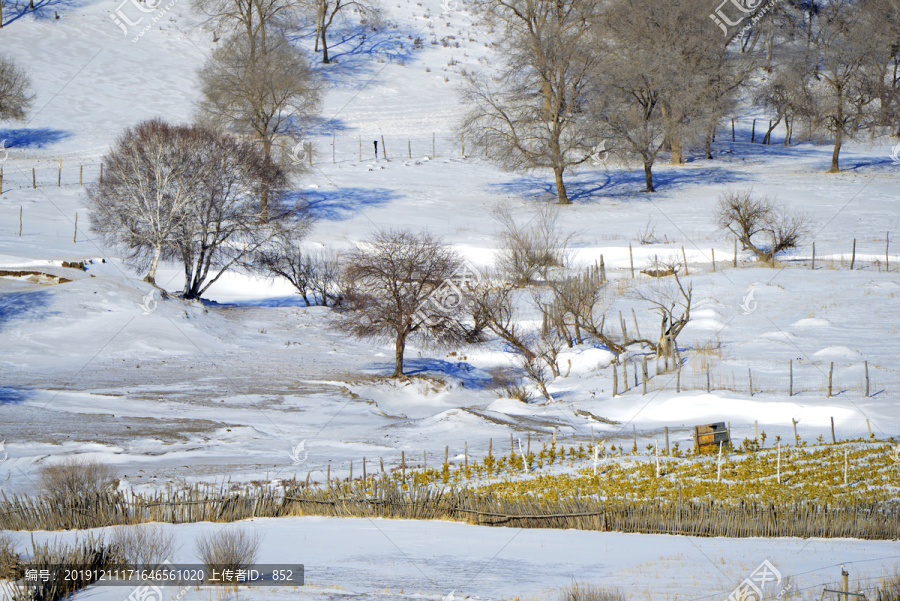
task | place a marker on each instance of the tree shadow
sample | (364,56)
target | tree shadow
(343,204)
(28,306)
(13,396)
(43,9)
(352,48)
(620,184)
(33,137)
(469,375)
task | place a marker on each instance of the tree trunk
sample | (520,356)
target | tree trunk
(154,263)
(838,140)
(677,156)
(561,187)
(709,144)
(648,175)
(324,45)
(399,348)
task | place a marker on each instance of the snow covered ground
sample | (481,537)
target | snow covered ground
(401,559)
(170,391)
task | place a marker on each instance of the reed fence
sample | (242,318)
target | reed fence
(386,498)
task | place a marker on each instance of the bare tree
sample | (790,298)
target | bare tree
(401,284)
(672,300)
(15,90)
(252,20)
(750,218)
(844,58)
(330,11)
(532,115)
(259,95)
(151,175)
(221,228)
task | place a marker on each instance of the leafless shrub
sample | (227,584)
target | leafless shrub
(75,478)
(508,384)
(532,248)
(147,545)
(890,588)
(751,219)
(11,567)
(648,235)
(316,276)
(91,556)
(15,90)
(231,549)
(588,592)
(579,307)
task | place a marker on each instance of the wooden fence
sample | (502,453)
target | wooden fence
(388,499)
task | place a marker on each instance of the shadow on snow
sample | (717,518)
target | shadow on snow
(34,137)
(470,376)
(29,306)
(340,205)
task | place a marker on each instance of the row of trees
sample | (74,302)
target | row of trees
(635,78)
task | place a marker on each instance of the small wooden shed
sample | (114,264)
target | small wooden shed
(708,436)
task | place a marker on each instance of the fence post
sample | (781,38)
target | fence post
(813,264)
(756,430)
(791,379)
(796,437)
(667,441)
(853,255)
(750,379)
(409,148)
(753,133)
(364,469)
(830,373)
(833,439)
(708,384)
(75,239)
(59,175)
(713,251)
(466,453)
(403,464)
(33,179)
(684,256)
(631,260)
(869,428)
(644,367)
(462,140)
(615,390)
(732,130)
(845,575)
(734,261)
(887,246)
(867,378)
